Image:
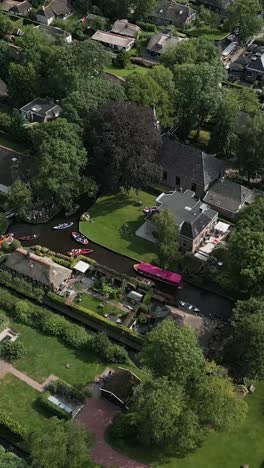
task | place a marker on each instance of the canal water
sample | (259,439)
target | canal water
(210,304)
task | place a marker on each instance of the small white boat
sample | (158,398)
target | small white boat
(190,307)
(62,226)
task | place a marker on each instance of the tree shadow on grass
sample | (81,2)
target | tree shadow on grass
(137,244)
(110,204)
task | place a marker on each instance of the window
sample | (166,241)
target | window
(178,180)
(165,175)
(194,187)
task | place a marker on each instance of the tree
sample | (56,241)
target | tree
(3,223)
(144,90)
(19,199)
(23,82)
(160,417)
(251,306)
(164,77)
(217,403)
(123,151)
(247,99)
(12,350)
(198,93)
(194,51)
(222,137)
(167,232)
(250,147)
(172,351)
(244,15)
(62,445)
(244,352)
(88,96)
(6,25)
(59,167)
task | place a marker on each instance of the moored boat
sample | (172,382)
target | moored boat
(80,238)
(76,252)
(72,210)
(28,238)
(156,273)
(62,226)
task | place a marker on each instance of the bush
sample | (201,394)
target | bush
(61,261)
(122,60)
(148,27)
(4,322)
(21,286)
(12,350)
(58,387)
(108,351)
(11,425)
(51,408)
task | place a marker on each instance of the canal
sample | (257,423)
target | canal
(210,304)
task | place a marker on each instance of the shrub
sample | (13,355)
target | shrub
(21,286)
(12,350)
(75,335)
(4,322)
(58,387)
(11,425)
(108,351)
(61,261)
(5,246)
(51,408)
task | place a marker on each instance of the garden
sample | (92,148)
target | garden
(115,220)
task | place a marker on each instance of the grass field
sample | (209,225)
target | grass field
(224,450)
(48,355)
(124,72)
(111,214)
(18,400)
(92,303)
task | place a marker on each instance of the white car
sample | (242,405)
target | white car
(189,307)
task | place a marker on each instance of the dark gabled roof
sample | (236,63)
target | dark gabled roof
(227,195)
(55,8)
(217,4)
(256,64)
(22,7)
(47,12)
(172,11)
(183,160)
(42,107)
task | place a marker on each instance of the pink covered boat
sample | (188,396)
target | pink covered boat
(156,273)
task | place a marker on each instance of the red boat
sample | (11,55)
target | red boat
(80,238)
(156,273)
(76,252)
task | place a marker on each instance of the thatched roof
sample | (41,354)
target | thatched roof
(40,269)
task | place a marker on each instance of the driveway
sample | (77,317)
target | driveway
(96,415)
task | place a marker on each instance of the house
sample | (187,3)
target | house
(171,12)
(219,6)
(119,386)
(194,218)
(40,110)
(255,68)
(21,8)
(56,9)
(56,34)
(124,28)
(115,41)
(185,167)
(160,42)
(41,270)
(227,197)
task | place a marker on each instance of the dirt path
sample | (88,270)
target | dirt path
(6,368)
(96,415)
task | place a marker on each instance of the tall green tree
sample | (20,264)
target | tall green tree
(144,90)
(250,147)
(173,352)
(62,445)
(192,51)
(243,14)
(167,232)
(11,460)
(19,199)
(251,306)
(123,151)
(22,82)
(223,134)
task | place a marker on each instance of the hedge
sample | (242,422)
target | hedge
(107,324)
(51,408)
(21,286)
(12,426)
(59,387)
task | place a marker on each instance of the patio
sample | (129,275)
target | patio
(217,235)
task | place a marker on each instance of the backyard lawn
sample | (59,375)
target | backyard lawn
(97,305)
(124,72)
(48,355)
(116,220)
(17,398)
(228,450)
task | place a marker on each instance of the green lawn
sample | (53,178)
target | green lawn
(228,450)
(92,303)
(207,33)
(124,72)
(48,355)
(111,214)
(18,399)
(6,140)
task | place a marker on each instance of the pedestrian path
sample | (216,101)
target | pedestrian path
(6,368)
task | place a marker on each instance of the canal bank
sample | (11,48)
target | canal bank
(210,304)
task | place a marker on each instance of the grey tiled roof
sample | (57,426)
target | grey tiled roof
(172,11)
(187,161)
(256,64)
(227,195)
